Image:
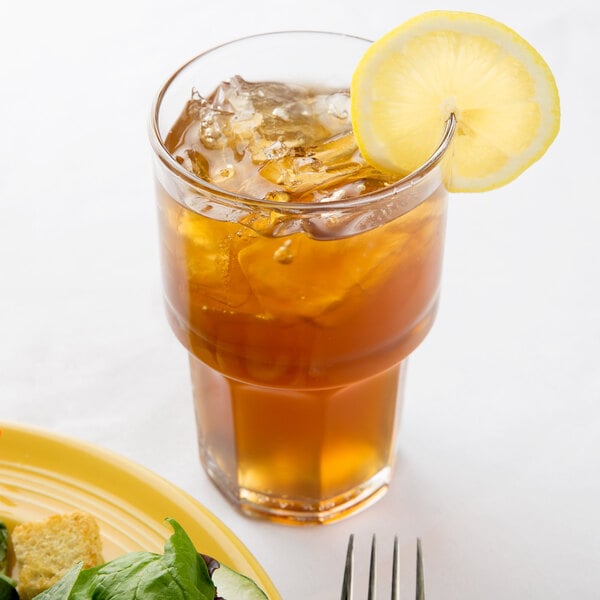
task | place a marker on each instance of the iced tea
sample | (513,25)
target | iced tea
(297,321)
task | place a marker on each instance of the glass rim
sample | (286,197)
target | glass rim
(158,145)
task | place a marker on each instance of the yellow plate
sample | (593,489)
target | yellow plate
(43,474)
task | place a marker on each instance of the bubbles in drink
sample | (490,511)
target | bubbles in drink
(284,254)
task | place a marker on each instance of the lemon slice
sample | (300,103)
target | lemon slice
(500,89)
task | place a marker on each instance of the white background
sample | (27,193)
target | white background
(499,470)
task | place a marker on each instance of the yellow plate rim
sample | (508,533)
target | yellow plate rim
(34,460)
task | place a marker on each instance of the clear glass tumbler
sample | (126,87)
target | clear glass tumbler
(298,317)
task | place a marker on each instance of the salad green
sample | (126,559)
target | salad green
(180,573)
(7,585)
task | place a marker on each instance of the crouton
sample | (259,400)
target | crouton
(46,550)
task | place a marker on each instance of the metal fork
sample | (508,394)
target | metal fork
(347,583)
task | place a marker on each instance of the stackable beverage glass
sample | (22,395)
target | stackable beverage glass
(298,316)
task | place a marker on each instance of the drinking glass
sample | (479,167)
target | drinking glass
(298,317)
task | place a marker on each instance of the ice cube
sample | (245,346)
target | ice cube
(335,150)
(211,120)
(276,111)
(210,263)
(333,110)
(275,141)
(302,278)
(314,167)
(197,163)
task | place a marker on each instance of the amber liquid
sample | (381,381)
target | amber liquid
(296,347)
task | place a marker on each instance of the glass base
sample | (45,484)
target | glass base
(296,455)
(300,511)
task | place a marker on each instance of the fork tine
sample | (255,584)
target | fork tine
(420,593)
(347,583)
(348,571)
(395,574)
(372,569)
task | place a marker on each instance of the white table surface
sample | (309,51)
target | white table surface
(499,468)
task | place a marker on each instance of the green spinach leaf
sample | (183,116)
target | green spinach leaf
(62,589)
(7,585)
(3,548)
(7,588)
(178,574)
